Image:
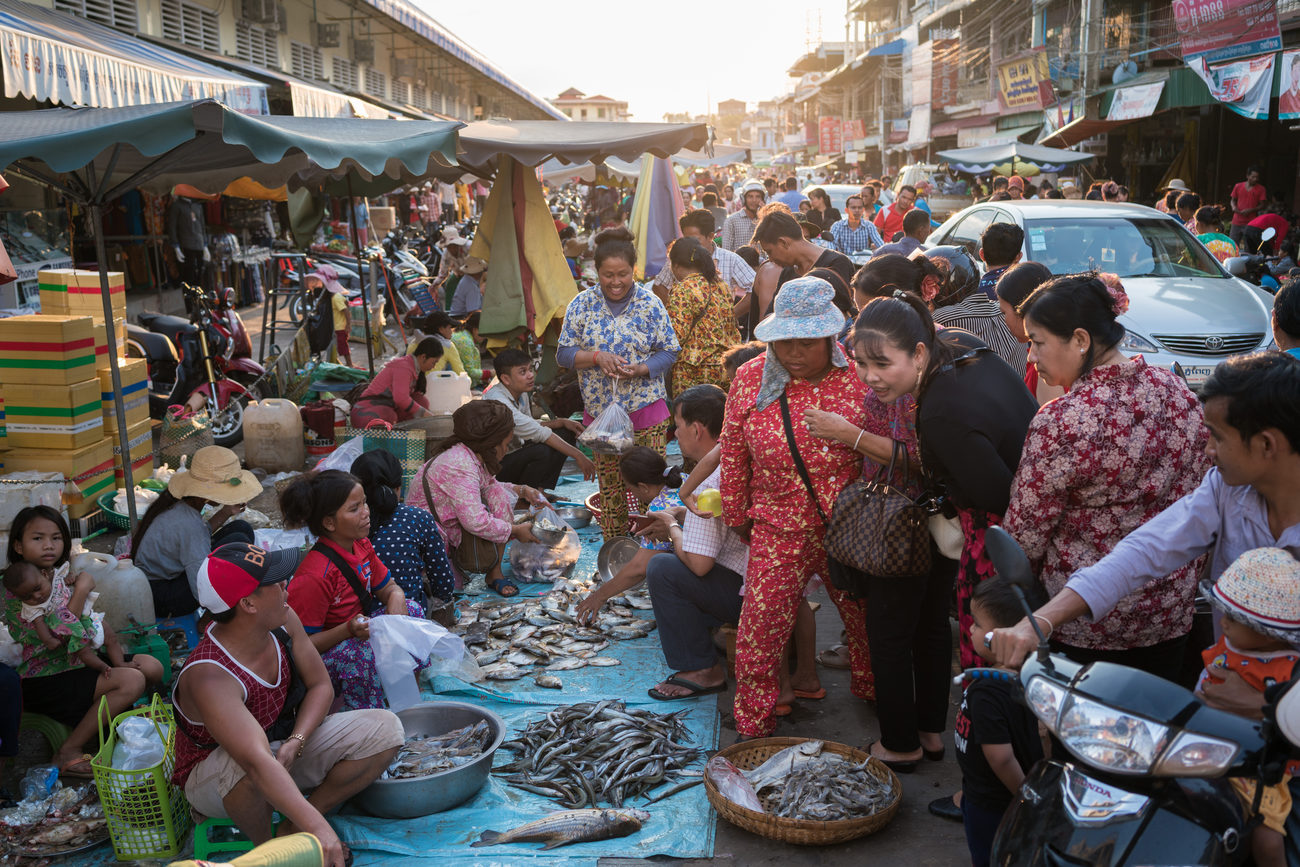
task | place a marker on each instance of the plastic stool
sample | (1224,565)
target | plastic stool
(227,842)
(54,731)
(187,623)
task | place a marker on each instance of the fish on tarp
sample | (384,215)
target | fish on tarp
(570,826)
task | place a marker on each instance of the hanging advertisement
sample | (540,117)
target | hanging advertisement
(1133,103)
(1025,84)
(1224,29)
(854,130)
(945,57)
(1288,101)
(829,135)
(1244,86)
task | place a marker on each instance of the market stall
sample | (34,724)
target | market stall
(1012,158)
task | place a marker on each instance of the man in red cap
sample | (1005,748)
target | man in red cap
(252,710)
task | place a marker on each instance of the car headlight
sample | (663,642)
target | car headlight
(1135,343)
(1109,738)
(1196,755)
(1045,699)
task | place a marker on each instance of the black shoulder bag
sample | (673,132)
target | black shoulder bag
(369,604)
(284,723)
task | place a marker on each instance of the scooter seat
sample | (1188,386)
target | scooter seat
(169,326)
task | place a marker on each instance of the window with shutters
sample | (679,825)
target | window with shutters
(306,61)
(190,24)
(115,13)
(401,92)
(420,97)
(344,74)
(376,83)
(257,44)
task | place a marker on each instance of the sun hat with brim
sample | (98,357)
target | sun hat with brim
(473,265)
(329,278)
(235,571)
(1259,590)
(1016,181)
(804,309)
(1177,184)
(215,474)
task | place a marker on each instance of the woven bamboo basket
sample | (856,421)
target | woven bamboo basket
(803,832)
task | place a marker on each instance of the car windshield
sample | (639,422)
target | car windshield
(1127,246)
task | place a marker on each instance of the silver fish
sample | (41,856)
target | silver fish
(570,826)
(503,671)
(779,766)
(602,661)
(566,663)
(548,681)
(488,657)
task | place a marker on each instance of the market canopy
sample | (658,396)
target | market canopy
(208,145)
(1012,158)
(532,142)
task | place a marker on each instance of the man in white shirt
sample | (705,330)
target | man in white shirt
(447,195)
(538,449)
(696,588)
(732,270)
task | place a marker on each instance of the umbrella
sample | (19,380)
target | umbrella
(93,155)
(1005,159)
(655,209)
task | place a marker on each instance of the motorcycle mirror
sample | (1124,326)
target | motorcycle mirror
(1008,559)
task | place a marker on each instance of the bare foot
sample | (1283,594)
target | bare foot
(878,750)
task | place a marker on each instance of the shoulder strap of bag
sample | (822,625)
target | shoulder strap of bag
(798,458)
(428,494)
(367,600)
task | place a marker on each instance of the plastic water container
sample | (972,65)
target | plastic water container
(123,589)
(273,436)
(447,391)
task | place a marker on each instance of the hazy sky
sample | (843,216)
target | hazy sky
(663,57)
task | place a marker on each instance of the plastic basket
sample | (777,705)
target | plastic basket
(147,816)
(114,518)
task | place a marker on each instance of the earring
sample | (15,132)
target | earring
(1083,351)
(919,375)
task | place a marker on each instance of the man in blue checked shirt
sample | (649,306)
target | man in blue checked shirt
(853,234)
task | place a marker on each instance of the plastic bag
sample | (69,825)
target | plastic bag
(732,784)
(536,562)
(138,744)
(11,652)
(549,527)
(272,539)
(466,668)
(395,638)
(343,456)
(611,432)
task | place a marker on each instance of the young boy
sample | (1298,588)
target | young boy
(995,732)
(1260,608)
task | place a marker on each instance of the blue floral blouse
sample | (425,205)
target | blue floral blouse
(641,330)
(410,545)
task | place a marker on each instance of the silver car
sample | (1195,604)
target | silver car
(1183,306)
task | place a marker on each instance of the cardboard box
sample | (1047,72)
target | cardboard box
(90,467)
(134,373)
(101,339)
(40,417)
(47,350)
(66,291)
(140,443)
(383,219)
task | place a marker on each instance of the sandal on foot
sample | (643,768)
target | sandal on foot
(782,709)
(835,657)
(898,766)
(504,587)
(696,689)
(812,696)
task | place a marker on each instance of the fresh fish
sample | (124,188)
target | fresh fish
(488,657)
(503,671)
(570,826)
(548,681)
(829,788)
(427,754)
(602,661)
(627,633)
(567,663)
(640,602)
(779,766)
(520,657)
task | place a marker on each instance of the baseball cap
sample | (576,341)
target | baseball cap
(235,571)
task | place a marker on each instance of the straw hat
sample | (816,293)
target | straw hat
(215,474)
(473,265)
(804,309)
(1258,589)
(1177,184)
(451,235)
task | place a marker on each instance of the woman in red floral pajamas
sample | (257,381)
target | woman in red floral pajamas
(763,495)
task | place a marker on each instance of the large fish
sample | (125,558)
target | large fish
(570,826)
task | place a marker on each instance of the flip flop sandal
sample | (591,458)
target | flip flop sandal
(782,709)
(814,696)
(835,657)
(501,585)
(696,689)
(67,769)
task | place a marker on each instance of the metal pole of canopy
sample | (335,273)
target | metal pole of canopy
(365,296)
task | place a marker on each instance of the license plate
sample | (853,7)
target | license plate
(1197,374)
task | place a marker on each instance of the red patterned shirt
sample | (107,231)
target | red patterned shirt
(1123,444)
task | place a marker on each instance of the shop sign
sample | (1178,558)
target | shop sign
(1022,83)
(1288,101)
(1244,86)
(944,67)
(854,130)
(830,131)
(1138,101)
(1224,29)
(852,157)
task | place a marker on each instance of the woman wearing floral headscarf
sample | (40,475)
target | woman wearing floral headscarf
(1120,446)
(765,498)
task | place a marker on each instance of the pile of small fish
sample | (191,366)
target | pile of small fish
(803,782)
(510,639)
(570,826)
(422,755)
(586,753)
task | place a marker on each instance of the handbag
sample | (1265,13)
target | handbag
(406,445)
(875,527)
(474,553)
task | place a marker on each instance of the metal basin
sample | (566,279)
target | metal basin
(420,796)
(575,516)
(614,555)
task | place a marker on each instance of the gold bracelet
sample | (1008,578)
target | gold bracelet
(301,739)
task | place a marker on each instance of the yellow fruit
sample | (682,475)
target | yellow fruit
(710,501)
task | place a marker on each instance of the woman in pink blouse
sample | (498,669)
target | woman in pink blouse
(1121,445)
(474,511)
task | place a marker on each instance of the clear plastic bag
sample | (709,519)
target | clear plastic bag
(138,744)
(611,432)
(732,784)
(395,639)
(343,456)
(537,562)
(549,527)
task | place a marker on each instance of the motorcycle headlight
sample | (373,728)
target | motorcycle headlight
(1045,699)
(1196,755)
(1136,343)
(1109,738)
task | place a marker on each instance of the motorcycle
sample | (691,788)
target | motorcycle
(1253,264)
(1148,784)
(192,362)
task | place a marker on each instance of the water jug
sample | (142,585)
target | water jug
(447,391)
(273,436)
(124,595)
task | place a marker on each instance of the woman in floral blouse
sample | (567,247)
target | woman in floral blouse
(700,308)
(1124,442)
(620,340)
(764,497)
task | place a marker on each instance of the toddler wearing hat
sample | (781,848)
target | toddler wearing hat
(1261,628)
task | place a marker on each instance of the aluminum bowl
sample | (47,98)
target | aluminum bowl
(420,796)
(575,516)
(614,555)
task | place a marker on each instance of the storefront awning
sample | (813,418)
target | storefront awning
(46,55)
(535,141)
(1081,130)
(888,49)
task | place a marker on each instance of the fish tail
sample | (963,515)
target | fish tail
(487,838)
